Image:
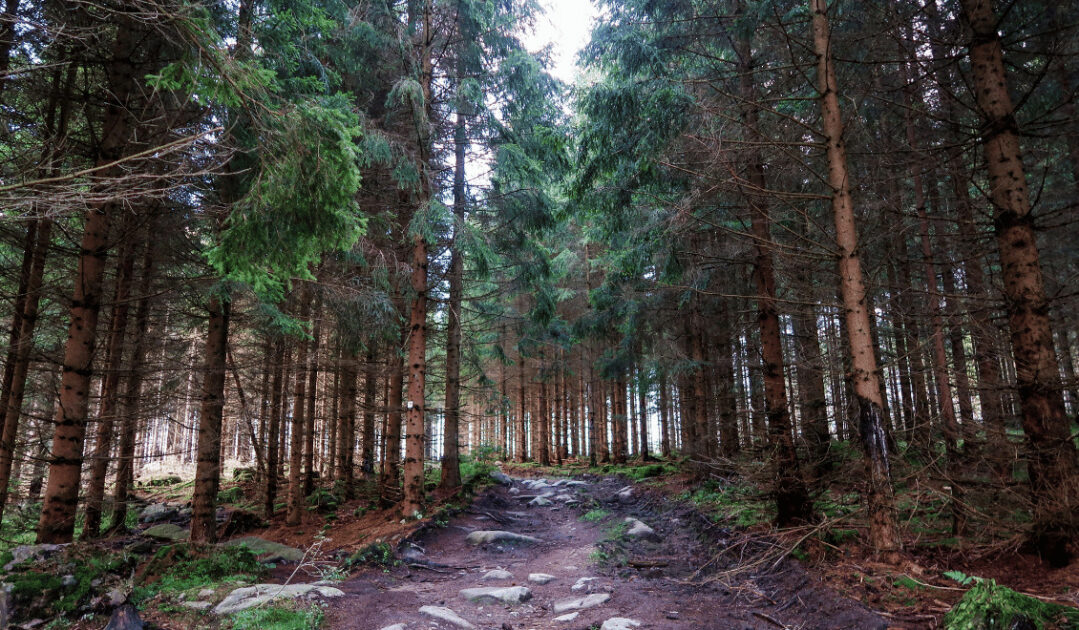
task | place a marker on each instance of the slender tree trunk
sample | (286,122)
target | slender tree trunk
(295,467)
(1054,477)
(391,470)
(276,402)
(110,394)
(451,469)
(367,463)
(19,357)
(881,503)
(130,413)
(346,422)
(312,392)
(664,416)
(792,497)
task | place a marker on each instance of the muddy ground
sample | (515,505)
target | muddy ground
(680,578)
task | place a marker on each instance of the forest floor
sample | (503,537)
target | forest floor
(682,574)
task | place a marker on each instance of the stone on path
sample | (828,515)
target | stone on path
(568,617)
(506,595)
(564,497)
(166,531)
(540,578)
(637,529)
(502,478)
(248,596)
(396,626)
(540,501)
(625,495)
(481,537)
(515,491)
(445,614)
(580,603)
(267,550)
(198,605)
(583,584)
(497,574)
(620,623)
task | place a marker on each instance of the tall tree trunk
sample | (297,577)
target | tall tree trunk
(57,522)
(880,498)
(208,468)
(1054,477)
(792,497)
(110,394)
(19,357)
(312,393)
(451,469)
(346,422)
(296,442)
(269,490)
(129,414)
(664,416)
(391,469)
(367,459)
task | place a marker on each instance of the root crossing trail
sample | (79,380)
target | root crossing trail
(579,554)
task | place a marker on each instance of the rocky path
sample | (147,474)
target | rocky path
(523,558)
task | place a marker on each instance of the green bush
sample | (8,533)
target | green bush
(232,495)
(988,606)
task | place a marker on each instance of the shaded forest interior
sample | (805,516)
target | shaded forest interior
(814,263)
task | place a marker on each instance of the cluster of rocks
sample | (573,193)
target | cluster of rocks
(565,610)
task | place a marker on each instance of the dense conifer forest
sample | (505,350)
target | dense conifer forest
(352,314)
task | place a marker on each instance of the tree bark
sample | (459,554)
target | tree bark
(110,394)
(880,498)
(57,522)
(129,414)
(296,438)
(1053,468)
(208,468)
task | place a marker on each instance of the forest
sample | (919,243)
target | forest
(356,314)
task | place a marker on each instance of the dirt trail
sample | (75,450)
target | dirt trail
(655,579)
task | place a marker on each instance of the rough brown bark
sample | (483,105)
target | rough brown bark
(346,422)
(1054,474)
(880,500)
(312,394)
(367,459)
(57,522)
(208,468)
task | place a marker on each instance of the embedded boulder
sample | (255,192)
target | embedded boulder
(250,596)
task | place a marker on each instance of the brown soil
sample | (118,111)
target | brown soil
(683,581)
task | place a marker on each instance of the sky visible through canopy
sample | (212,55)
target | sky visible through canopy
(566,25)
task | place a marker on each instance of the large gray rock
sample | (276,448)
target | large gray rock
(498,574)
(583,584)
(566,618)
(581,603)
(445,614)
(483,536)
(396,626)
(35,553)
(248,596)
(540,502)
(157,512)
(637,529)
(502,478)
(166,531)
(625,495)
(503,595)
(267,550)
(620,623)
